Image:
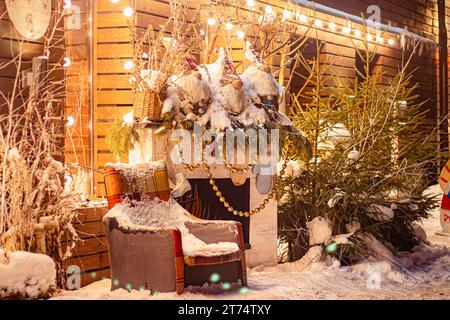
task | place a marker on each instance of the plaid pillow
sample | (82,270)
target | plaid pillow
(136,182)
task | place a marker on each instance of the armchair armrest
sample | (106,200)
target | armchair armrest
(132,251)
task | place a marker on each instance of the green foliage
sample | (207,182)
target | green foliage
(396,157)
(121,138)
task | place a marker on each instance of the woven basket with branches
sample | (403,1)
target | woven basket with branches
(147,104)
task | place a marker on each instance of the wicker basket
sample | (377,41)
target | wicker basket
(147,104)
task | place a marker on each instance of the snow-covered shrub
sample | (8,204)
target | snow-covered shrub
(25,275)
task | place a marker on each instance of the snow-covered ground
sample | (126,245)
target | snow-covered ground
(427,278)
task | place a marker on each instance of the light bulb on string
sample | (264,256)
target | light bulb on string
(303,18)
(391,42)
(128,65)
(202,32)
(67,62)
(357,33)
(250,3)
(379,39)
(229,26)
(67,4)
(268,10)
(211,21)
(369,37)
(128,12)
(318,23)
(115,1)
(346,30)
(128,118)
(240,34)
(332,26)
(70,121)
(287,15)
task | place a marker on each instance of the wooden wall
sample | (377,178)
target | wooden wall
(77,149)
(113,94)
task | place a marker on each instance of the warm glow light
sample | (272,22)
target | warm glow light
(269,10)
(202,32)
(115,1)
(67,4)
(318,23)
(346,30)
(380,39)
(67,62)
(250,3)
(241,34)
(167,39)
(369,37)
(129,65)
(358,33)
(287,15)
(332,26)
(70,121)
(391,42)
(229,26)
(303,18)
(68,181)
(128,118)
(211,21)
(145,55)
(128,12)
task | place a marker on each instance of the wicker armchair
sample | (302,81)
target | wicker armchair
(151,257)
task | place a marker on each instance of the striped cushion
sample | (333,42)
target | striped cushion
(200,260)
(144,181)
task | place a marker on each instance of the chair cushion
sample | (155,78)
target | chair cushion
(149,181)
(205,258)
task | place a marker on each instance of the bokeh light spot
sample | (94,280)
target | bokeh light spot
(215,277)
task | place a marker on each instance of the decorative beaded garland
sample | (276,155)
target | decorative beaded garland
(229,207)
(219,194)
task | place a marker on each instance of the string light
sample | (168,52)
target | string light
(115,1)
(268,10)
(129,65)
(332,26)
(391,42)
(145,56)
(67,62)
(229,26)
(211,21)
(128,118)
(318,23)
(202,32)
(70,121)
(380,39)
(303,18)
(369,37)
(67,181)
(67,4)
(240,34)
(128,12)
(357,33)
(250,3)
(287,15)
(346,30)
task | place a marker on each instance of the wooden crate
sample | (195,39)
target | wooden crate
(91,253)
